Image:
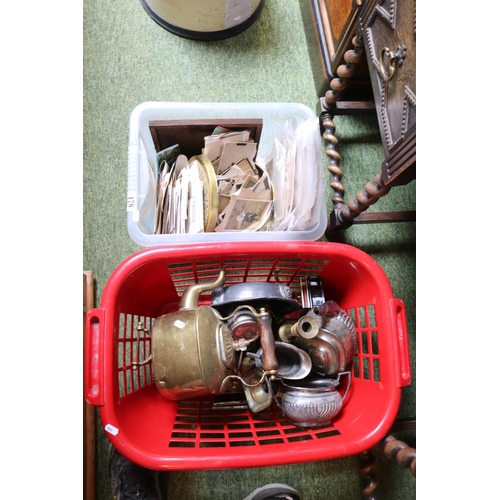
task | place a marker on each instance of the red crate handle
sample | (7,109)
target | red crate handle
(403,352)
(94,358)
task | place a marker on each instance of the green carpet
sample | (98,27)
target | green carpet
(129,59)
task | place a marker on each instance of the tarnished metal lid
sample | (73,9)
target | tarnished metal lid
(275,297)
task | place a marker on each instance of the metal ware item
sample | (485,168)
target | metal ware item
(265,334)
(192,349)
(313,402)
(326,352)
(244,325)
(333,348)
(192,353)
(276,298)
(291,330)
(207,176)
(239,404)
(293,363)
(336,321)
(343,328)
(311,292)
(257,390)
(259,397)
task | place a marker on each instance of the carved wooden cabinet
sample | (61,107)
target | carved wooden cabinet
(377,42)
(388,30)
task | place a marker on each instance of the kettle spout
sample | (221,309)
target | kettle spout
(189,299)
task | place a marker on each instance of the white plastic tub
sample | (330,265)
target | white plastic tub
(142,167)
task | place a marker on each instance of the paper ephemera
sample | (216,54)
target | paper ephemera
(180,201)
(214,143)
(236,196)
(247,201)
(233,152)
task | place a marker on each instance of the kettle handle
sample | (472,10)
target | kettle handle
(189,299)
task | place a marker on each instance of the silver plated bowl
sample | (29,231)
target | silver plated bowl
(313,402)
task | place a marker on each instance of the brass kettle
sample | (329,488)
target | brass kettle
(192,349)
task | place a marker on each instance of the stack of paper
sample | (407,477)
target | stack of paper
(180,199)
(244,189)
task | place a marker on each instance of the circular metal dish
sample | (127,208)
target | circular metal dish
(275,297)
(210,196)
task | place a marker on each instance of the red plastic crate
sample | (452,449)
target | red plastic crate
(190,435)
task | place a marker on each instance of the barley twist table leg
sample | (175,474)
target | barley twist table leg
(345,71)
(364,199)
(342,215)
(395,450)
(401,453)
(367,472)
(334,160)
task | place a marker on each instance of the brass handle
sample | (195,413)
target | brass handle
(269,360)
(390,60)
